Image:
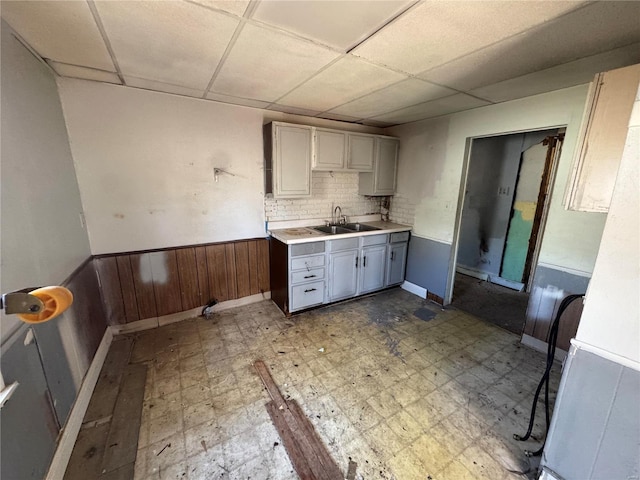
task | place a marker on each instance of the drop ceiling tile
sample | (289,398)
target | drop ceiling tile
(171,42)
(562,76)
(162,87)
(591,30)
(265,64)
(237,7)
(61,31)
(338,24)
(84,73)
(247,102)
(344,80)
(402,94)
(293,110)
(437,32)
(375,123)
(434,108)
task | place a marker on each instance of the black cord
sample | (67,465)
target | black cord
(551,352)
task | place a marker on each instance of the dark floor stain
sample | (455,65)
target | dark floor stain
(425,314)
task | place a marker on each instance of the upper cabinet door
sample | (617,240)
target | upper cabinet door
(292,161)
(386,166)
(361,152)
(602,138)
(329,150)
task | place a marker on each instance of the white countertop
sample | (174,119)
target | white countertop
(306,234)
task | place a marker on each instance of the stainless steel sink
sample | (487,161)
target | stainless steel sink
(359,227)
(332,229)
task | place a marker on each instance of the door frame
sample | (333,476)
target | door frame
(453,259)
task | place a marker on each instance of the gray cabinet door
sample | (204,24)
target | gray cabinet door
(396,263)
(361,152)
(329,150)
(343,274)
(386,166)
(372,271)
(292,161)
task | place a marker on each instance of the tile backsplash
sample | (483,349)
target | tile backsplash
(329,190)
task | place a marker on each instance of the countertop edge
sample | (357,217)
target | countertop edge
(281,237)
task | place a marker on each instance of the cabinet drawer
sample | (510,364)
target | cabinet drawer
(375,240)
(307,276)
(307,263)
(307,295)
(307,248)
(344,244)
(399,237)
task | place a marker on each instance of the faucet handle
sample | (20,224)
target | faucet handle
(343,219)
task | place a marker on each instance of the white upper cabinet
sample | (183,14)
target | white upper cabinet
(329,149)
(602,138)
(382,181)
(288,160)
(361,152)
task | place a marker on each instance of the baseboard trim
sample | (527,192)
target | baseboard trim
(542,346)
(155,322)
(71,429)
(415,289)
(472,273)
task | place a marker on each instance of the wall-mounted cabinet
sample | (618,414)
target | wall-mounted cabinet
(292,151)
(288,160)
(382,181)
(602,138)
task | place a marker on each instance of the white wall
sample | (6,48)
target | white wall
(611,315)
(42,238)
(431,162)
(145,164)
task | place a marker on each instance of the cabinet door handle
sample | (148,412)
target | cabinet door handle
(392,255)
(364,261)
(310,290)
(357,262)
(309,276)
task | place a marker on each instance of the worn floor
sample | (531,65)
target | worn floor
(405,389)
(494,303)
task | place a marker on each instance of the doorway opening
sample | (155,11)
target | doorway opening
(502,218)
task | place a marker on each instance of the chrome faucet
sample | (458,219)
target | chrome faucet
(338,218)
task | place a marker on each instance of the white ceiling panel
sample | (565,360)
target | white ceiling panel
(247,102)
(562,76)
(342,81)
(162,87)
(437,32)
(266,64)
(396,96)
(85,73)
(237,7)
(341,118)
(293,110)
(171,42)
(340,24)
(582,33)
(61,31)
(434,108)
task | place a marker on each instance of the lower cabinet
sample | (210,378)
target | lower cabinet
(310,274)
(396,259)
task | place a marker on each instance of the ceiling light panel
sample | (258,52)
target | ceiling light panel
(237,7)
(437,32)
(61,31)
(579,34)
(265,64)
(170,42)
(442,106)
(345,80)
(400,95)
(339,24)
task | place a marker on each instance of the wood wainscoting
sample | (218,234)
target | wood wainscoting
(141,285)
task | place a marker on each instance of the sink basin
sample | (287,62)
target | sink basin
(359,227)
(332,229)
